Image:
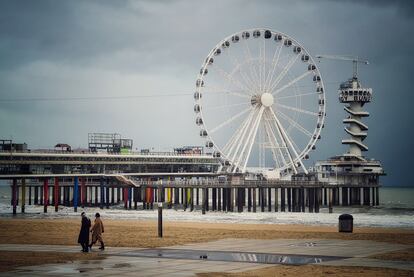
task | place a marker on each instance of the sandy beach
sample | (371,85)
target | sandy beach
(135,233)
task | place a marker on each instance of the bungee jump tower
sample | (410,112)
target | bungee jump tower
(356,177)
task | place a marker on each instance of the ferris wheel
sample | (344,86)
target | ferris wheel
(260,102)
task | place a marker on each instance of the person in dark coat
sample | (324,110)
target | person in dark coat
(83,238)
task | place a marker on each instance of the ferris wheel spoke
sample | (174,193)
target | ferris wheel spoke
(273,143)
(262,146)
(289,141)
(296,95)
(225,106)
(283,72)
(226,91)
(242,136)
(276,56)
(296,109)
(295,124)
(253,138)
(297,79)
(247,82)
(230,120)
(249,59)
(234,141)
(231,80)
(244,156)
(262,65)
(280,143)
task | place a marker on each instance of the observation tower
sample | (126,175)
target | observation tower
(355,177)
(354,96)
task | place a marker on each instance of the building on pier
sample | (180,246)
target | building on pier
(32,164)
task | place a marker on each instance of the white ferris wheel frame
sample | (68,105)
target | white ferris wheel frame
(239,153)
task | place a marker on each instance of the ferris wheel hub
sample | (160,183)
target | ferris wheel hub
(266,99)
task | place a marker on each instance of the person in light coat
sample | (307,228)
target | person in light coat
(97,230)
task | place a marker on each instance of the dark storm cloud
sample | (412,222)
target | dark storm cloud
(86,48)
(404,7)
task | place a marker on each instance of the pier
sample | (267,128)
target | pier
(190,192)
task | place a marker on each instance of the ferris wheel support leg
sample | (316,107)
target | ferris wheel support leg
(235,143)
(275,144)
(290,143)
(239,143)
(285,144)
(253,138)
(253,130)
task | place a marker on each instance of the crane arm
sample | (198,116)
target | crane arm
(343,58)
(354,60)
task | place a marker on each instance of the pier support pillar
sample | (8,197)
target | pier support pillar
(107,196)
(330,200)
(83,192)
(203,200)
(30,195)
(219,198)
(303,199)
(135,191)
(249,199)
(125,197)
(45,194)
(254,199)
(207,199)
(239,200)
(75,194)
(289,199)
(311,196)
(130,198)
(23,204)
(316,200)
(377,196)
(96,196)
(15,195)
(214,199)
(276,199)
(192,199)
(262,199)
(269,199)
(367,197)
(41,190)
(282,200)
(224,199)
(102,193)
(344,196)
(373,196)
(57,196)
(232,194)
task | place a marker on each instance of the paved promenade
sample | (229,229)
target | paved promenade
(227,255)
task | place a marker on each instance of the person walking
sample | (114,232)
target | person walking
(97,230)
(83,238)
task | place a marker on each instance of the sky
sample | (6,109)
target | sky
(90,49)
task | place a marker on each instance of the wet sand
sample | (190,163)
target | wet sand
(10,260)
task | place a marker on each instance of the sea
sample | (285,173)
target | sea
(396,210)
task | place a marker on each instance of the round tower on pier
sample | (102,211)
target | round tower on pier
(354,96)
